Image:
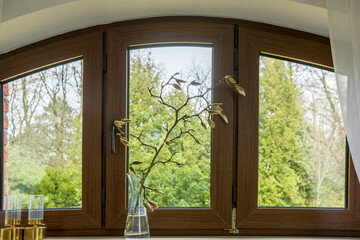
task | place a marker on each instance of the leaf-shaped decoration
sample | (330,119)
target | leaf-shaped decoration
(240,90)
(124,141)
(177,86)
(211,123)
(195,83)
(153,204)
(229,79)
(157,190)
(223,116)
(147,206)
(136,163)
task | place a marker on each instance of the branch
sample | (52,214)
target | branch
(160,98)
(136,137)
(182,133)
(198,96)
(167,161)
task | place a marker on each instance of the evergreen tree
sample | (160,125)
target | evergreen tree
(282,176)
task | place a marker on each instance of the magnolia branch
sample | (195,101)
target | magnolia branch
(210,109)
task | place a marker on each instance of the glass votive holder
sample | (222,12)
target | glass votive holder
(35,218)
(12,210)
(12,218)
(36,207)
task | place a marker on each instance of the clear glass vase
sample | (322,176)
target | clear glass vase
(137,225)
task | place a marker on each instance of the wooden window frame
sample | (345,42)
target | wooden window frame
(89,47)
(103,169)
(284,221)
(119,39)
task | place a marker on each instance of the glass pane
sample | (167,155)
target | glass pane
(43,136)
(150,67)
(301,137)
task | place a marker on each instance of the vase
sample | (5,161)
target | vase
(137,225)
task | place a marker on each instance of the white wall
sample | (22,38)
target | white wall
(25,24)
(16,8)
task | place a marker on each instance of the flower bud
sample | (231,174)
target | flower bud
(157,190)
(125,120)
(229,79)
(147,206)
(136,163)
(119,123)
(240,89)
(211,123)
(132,170)
(124,141)
(177,86)
(153,204)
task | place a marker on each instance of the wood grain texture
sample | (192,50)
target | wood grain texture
(212,232)
(107,102)
(252,43)
(119,39)
(88,46)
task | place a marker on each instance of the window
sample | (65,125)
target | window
(238,183)
(302,145)
(45,92)
(126,41)
(151,66)
(44,136)
(260,206)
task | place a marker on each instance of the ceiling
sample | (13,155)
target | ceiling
(24,22)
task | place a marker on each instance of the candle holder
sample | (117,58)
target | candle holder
(12,218)
(36,216)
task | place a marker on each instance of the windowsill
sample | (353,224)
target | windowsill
(229,237)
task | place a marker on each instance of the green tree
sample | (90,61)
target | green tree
(60,187)
(188,186)
(45,136)
(283,180)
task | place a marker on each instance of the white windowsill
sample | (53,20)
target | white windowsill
(229,237)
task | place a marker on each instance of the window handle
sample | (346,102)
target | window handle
(112,138)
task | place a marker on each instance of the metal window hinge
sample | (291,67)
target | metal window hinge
(103,196)
(234,195)
(236,47)
(233,229)
(104,63)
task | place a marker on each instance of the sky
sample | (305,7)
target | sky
(181,58)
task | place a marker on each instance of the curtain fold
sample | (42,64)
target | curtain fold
(344,29)
(1,7)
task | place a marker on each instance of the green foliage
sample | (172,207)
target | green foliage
(45,137)
(188,186)
(281,152)
(61,187)
(295,168)
(301,140)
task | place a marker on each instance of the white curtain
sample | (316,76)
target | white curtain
(1,7)
(344,29)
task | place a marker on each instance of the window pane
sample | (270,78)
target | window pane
(301,137)
(187,186)
(43,141)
